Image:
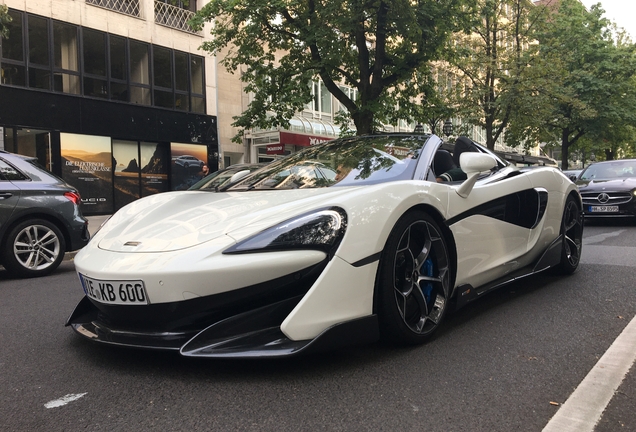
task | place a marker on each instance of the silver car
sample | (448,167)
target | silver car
(40,217)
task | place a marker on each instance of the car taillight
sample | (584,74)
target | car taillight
(73,196)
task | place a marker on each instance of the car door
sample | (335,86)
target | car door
(9,192)
(493,226)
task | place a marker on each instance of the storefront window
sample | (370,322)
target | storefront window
(87,165)
(186,164)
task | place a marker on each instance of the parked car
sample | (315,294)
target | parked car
(572,174)
(341,243)
(40,217)
(188,161)
(608,189)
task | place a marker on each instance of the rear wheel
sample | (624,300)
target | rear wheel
(414,282)
(572,232)
(34,248)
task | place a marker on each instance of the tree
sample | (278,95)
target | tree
(493,63)
(377,47)
(585,81)
(5,19)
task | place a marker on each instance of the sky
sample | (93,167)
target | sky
(622,12)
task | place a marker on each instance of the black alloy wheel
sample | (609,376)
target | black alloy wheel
(415,280)
(572,232)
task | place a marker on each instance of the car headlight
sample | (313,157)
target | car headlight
(321,229)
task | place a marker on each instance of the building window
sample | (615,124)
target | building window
(139,73)
(39,63)
(94,50)
(66,54)
(13,67)
(162,67)
(118,69)
(62,57)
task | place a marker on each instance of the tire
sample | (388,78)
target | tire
(414,280)
(572,235)
(34,248)
(186,165)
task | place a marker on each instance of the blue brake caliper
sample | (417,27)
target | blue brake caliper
(427,288)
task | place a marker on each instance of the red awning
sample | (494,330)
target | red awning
(301,139)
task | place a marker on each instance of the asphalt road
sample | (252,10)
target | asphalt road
(504,363)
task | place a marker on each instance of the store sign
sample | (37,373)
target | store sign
(276,149)
(301,140)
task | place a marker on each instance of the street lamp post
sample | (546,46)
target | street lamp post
(448,128)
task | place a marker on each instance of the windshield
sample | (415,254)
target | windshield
(610,170)
(216,180)
(343,162)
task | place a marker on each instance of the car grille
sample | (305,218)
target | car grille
(606,198)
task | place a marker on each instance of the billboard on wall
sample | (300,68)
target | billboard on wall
(87,165)
(154,168)
(126,166)
(187,161)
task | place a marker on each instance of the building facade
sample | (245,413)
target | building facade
(114,96)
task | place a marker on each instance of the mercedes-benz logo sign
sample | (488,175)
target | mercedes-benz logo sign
(603,198)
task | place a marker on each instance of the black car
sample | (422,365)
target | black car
(40,217)
(608,189)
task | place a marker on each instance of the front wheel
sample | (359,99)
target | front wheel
(572,233)
(34,248)
(414,280)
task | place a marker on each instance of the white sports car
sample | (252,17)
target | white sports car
(341,243)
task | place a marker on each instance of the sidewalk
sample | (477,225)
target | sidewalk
(94,222)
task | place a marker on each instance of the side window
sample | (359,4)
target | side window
(8,172)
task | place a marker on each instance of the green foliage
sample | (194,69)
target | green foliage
(583,83)
(375,46)
(492,63)
(5,19)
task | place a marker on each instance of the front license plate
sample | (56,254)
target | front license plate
(115,292)
(603,209)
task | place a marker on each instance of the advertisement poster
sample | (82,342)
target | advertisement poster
(127,171)
(154,168)
(187,162)
(87,165)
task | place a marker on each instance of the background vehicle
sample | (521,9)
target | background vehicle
(572,174)
(336,244)
(40,217)
(188,161)
(608,189)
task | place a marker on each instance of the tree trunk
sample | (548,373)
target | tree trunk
(565,145)
(363,122)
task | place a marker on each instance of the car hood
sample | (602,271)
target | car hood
(623,184)
(177,220)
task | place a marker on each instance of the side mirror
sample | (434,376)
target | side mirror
(573,178)
(473,164)
(239,175)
